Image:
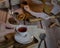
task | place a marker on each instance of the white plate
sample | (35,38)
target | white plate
(24,40)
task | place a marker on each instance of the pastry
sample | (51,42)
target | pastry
(35,7)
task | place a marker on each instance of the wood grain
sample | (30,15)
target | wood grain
(3,16)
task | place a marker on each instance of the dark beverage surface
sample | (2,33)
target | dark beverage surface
(22,29)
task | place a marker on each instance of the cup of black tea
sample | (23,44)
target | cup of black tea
(21,30)
(22,34)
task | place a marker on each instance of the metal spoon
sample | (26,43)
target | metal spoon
(42,37)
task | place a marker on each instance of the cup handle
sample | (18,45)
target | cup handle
(16,31)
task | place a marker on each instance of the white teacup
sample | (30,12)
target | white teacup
(22,35)
(21,30)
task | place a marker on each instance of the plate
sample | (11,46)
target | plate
(24,40)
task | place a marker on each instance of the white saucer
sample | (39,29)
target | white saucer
(24,40)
